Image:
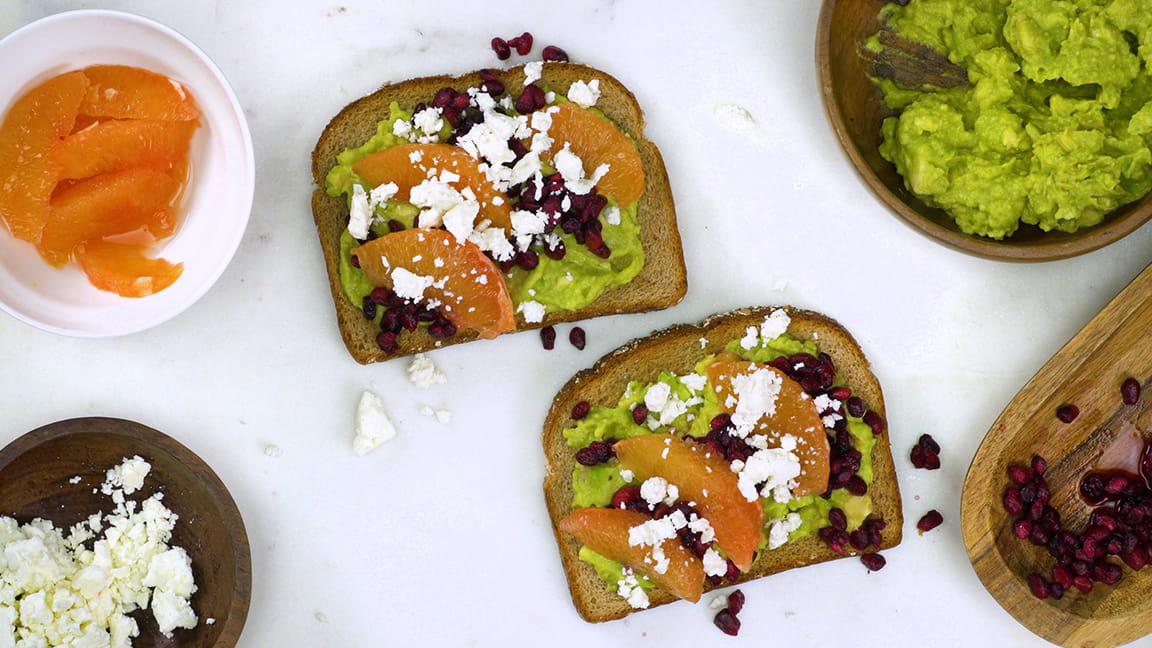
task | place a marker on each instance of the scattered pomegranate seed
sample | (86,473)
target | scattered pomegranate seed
(873,561)
(594,453)
(875,421)
(926,453)
(736,601)
(1038,585)
(522,43)
(727,622)
(931,520)
(548,337)
(581,409)
(500,46)
(1067,413)
(1130,391)
(577,337)
(531,99)
(640,413)
(855,406)
(553,53)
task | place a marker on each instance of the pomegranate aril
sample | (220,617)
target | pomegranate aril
(929,443)
(1067,413)
(1038,586)
(501,47)
(531,99)
(553,53)
(736,601)
(1020,475)
(727,622)
(874,421)
(873,561)
(522,43)
(386,340)
(855,406)
(1130,391)
(594,453)
(1012,501)
(640,414)
(548,337)
(581,409)
(577,337)
(1082,583)
(838,519)
(1039,466)
(929,521)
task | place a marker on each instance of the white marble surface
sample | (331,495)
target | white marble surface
(440,537)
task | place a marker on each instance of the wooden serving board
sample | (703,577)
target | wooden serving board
(1087,372)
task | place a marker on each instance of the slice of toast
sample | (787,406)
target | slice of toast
(661,283)
(677,349)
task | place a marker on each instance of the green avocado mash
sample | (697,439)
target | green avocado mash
(1055,129)
(593,486)
(569,283)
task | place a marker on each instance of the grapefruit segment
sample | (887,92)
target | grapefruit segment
(795,414)
(124,270)
(703,478)
(105,205)
(597,141)
(456,276)
(408,165)
(606,531)
(117,144)
(126,92)
(32,128)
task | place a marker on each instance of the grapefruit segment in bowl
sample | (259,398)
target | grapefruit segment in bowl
(117,144)
(106,205)
(33,126)
(792,412)
(409,165)
(452,275)
(704,478)
(125,269)
(597,141)
(606,531)
(127,92)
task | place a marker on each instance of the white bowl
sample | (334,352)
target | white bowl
(217,201)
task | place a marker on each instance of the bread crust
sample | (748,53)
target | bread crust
(660,284)
(678,349)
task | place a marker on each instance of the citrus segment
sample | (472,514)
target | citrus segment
(455,277)
(126,92)
(117,144)
(108,204)
(707,480)
(597,141)
(795,414)
(124,270)
(606,531)
(34,126)
(409,165)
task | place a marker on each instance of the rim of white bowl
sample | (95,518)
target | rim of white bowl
(89,318)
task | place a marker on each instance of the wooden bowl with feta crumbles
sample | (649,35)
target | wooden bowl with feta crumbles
(184,542)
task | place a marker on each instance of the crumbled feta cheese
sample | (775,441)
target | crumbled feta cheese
(780,528)
(423,372)
(734,117)
(754,395)
(627,475)
(428,121)
(629,589)
(128,476)
(571,167)
(611,215)
(694,381)
(714,563)
(533,311)
(409,285)
(442,416)
(657,490)
(373,426)
(359,214)
(532,71)
(775,325)
(775,468)
(584,94)
(273,450)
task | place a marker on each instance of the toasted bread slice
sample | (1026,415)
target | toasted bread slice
(661,283)
(678,349)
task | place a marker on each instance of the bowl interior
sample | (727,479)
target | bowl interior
(37,472)
(214,208)
(856,110)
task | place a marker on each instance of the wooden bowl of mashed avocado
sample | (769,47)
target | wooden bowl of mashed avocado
(1010,129)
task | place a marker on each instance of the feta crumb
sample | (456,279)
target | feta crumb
(714,563)
(273,450)
(373,426)
(128,476)
(423,373)
(359,214)
(584,94)
(629,589)
(612,215)
(409,285)
(442,416)
(533,311)
(780,528)
(734,117)
(532,71)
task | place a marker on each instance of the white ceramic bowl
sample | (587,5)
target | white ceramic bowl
(218,198)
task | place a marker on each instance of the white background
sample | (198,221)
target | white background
(441,537)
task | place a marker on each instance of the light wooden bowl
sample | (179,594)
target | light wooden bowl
(856,109)
(36,471)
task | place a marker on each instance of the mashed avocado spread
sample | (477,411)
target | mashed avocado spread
(594,486)
(1055,129)
(569,283)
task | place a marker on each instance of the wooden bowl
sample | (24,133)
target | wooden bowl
(856,109)
(36,475)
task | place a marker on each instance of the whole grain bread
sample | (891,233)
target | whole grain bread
(661,283)
(678,349)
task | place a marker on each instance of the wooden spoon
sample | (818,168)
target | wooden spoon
(1086,372)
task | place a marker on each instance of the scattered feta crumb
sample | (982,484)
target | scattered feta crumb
(734,118)
(532,71)
(442,416)
(273,450)
(533,311)
(373,426)
(584,94)
(423,373)
(780,528)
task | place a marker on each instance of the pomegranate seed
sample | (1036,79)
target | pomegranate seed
(929,443)
(531,99)
(386,340)
(1038,586)
(855,406)
(1067,413)
(1020,475)
(640,414)
(355,261)
(917,456)
(856,485)
(1012,501)
(736,601)
(1082,583)
(1130,391)
(838,519)
(1062,575)
(874,421)
(625,495)
(522,43)
(1021,529)
(931,520)
(577,337)
(874,561)
(727,622)
(548,337)
(581,409)
(595,453)
(500,46)
(553,53)
(1039,466)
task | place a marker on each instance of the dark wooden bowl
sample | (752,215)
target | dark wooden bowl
(35,474)
(856,109)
